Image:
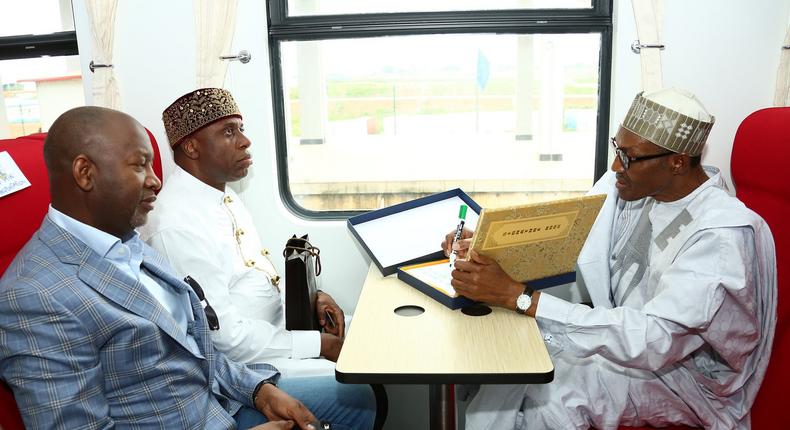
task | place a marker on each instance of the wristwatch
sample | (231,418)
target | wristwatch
(524,301)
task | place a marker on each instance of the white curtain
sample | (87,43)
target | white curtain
(215,23)
(649,16)
(102,18)
(782,97)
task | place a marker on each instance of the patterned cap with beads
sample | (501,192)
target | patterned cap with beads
(672,119)
(195,110)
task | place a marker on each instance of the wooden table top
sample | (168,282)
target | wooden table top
(439,346)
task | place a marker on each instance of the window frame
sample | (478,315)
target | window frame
(284,28)
(58,44)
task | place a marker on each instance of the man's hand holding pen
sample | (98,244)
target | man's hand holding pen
(481,278)
(461,246)
(458,231)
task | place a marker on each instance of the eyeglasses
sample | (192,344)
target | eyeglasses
(211,315)
(626,161)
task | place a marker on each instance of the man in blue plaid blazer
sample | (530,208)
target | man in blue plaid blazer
(95,332)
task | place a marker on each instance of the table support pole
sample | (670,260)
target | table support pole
(441,399)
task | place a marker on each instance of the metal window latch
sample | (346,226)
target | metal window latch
(93,66)
(636,47)
(243,56)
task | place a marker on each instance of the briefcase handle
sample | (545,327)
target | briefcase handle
(309,248)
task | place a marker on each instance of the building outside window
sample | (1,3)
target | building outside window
(377,106)
(39,67)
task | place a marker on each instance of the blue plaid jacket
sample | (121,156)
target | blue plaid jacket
(85,346)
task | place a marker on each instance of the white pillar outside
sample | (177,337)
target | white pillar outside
(312,93)
(312,84)
(550,112)
(5,131)
(557,113)
(525,62)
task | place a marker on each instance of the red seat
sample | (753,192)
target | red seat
(654,428)
(759,155)
(21,214)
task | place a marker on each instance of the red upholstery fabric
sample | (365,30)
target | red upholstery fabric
(759,156)
(157,157)
(21,214)
(662,428)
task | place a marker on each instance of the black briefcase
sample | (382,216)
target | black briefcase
(302,265)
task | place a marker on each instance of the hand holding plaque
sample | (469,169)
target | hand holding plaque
(537,240)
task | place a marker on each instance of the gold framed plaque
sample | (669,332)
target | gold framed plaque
(537,240)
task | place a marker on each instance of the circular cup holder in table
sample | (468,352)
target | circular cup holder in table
(409,311)
(476,310)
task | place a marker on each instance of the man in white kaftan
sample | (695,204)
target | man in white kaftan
(206,232)
(683,281)
(202,227)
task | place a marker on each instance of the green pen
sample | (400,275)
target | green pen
(458,231)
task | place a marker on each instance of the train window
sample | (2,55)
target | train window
(375,109)
(336,7)
(36,17)
(39,73)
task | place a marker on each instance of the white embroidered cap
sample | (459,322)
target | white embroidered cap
(671,118)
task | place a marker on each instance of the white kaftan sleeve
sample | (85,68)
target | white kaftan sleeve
(706,295)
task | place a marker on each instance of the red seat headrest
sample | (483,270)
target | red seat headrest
(21,212)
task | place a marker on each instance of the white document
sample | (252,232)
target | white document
(436,275)
(11,178)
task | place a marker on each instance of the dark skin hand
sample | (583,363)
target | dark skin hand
(332,338)
(331,346)
(324,303)
(461,246)
(482,279)
(280,408)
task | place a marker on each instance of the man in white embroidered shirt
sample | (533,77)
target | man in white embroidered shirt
(682,277)
(203,228)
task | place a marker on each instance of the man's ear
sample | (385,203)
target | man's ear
(681,164)
(83,171)
(190,148)
(678,163)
